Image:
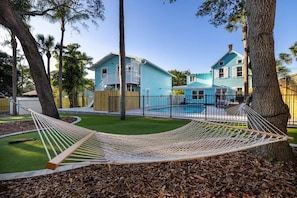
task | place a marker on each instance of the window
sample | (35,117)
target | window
(239,61)
(239,94)
(104,73)
(192,78)
(131,87)
(239,91)
(239,72)
(201,95)
(221,63)
(221,73)
(221,93)
(198,95)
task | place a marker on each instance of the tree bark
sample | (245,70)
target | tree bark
(61,63)
(14,73)
(122,62)
(48,55)
(12,21)
(245,61)
(267,98)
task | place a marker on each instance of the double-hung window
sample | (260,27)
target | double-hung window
(198,95)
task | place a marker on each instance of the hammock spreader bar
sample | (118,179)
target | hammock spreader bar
(55,162)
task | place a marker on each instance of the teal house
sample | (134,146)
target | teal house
(222,85)
(142,76)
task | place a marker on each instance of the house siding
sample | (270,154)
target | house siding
(222,83)
(144,77)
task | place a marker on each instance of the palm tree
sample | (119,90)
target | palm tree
(72,11)
(74,65)
(46,45)
(232,25)
(74,72)
(230,13)
(122,61)
(293,50)
(14,72)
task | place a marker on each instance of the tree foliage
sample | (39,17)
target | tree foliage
(281,69)
(11,18)
(73,72)
(24,82)
(293,50)
(5,74)
(71,12)
(180,77)
(46,46)
(232,14)
(221,11)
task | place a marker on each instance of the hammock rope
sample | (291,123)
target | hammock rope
(65,143)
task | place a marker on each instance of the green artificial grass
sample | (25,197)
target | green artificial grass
(27,156)
(30,155)
(130,126)
(292,132)
(15,118)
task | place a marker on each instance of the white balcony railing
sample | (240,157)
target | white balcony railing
(114,78)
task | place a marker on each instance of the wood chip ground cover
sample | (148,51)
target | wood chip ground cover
(239,174)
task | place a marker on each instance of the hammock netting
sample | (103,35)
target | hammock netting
(240,129)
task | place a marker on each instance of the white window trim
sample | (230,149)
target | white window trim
(226,72)
(234,72)
(102,77)
(198,95)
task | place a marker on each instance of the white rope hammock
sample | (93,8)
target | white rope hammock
(65,143)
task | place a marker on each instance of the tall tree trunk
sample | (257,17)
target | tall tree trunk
(267,98)
(122,62)
(61,63)
(245,61)
(14,73)
(12,21)
(48,55)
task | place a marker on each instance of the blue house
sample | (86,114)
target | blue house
(222,85)
(142,76)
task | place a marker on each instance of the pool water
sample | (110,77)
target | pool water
(180,109)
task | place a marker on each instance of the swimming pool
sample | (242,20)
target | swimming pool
(179,109)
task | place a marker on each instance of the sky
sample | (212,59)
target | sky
(169,35)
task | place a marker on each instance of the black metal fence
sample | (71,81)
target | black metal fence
(207,107)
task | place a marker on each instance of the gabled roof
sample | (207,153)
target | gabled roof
(229,52)
(141,60)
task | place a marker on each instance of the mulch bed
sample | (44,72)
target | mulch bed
(239,174)
(18,126)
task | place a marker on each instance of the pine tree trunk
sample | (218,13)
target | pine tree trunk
(245,61)
(267,98)
(10,20)
(14,73)
(122,62)
(60,80)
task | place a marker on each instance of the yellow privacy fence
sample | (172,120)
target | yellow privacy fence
(4,105)
(110,100)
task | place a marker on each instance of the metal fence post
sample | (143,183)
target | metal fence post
(205,110)
(170,97)
(143,105)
